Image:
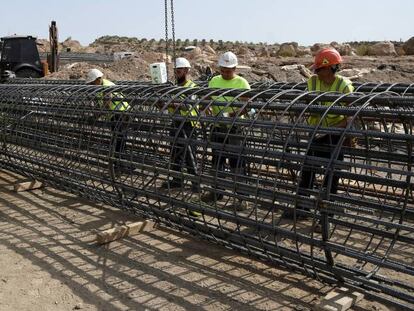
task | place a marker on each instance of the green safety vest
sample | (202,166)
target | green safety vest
(218,82)
(116,105)
(340,85)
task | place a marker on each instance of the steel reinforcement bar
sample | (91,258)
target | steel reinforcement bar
(369,87)
(260,173)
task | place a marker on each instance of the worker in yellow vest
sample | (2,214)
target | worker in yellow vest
(227,134)
(118,120)
(326,66)
(183,153)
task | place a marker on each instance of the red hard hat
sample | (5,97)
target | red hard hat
(327,57)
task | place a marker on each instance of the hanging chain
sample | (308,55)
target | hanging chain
(173,37)
(166,32)
(167,45)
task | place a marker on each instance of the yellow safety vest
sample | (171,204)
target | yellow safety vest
(183,110)
(218,82)
(341,85)
(115,105)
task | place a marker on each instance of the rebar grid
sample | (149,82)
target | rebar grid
(368,87)
(63,135)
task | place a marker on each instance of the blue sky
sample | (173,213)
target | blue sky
(304,21)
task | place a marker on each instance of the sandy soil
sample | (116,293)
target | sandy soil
(385,69)
(49,261)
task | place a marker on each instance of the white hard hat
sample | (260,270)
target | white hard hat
(228,60)
(181,62)
(93,74)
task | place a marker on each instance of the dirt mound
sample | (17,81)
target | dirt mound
(258,61)
(362,69)
(131,68)
(79,71)
(43,45)
(409,46)
(71,46)
(385,48)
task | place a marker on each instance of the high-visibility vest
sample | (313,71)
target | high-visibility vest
(183,110)
(218,82)
(115,105)
(341,85)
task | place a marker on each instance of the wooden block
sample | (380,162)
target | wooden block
(340,299)
(120,232)
(27,185)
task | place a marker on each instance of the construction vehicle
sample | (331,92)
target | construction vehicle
(19,54)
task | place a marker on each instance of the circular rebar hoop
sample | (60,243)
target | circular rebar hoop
(400,88)
(347,191)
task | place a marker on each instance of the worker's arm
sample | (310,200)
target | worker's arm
(245,86)
(239,111)
(107,101)
(102,103)
(348,89)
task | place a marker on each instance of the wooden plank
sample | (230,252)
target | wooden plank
(340,299)
(27,185)
(116,233)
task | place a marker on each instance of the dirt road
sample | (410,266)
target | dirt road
(49,261)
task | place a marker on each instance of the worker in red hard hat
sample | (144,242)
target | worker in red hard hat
(326,66)
(326,79)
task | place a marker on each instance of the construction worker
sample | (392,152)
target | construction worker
(182,153)
(326,65)
(226,134)
(118,121)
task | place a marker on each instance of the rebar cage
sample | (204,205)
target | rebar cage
(335,203)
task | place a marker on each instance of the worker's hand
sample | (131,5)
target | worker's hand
(107,104)
(351,142)
(251,113)
(207,111)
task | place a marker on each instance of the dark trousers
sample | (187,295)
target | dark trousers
(119,137)
(222,136)
(234,137)
(183,153)
(322,147)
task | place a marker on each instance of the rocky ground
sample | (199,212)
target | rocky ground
(363,62)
